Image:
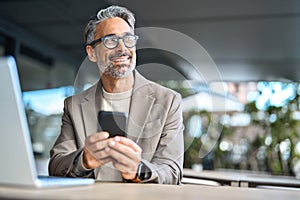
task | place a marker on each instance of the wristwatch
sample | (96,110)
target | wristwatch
(140,174)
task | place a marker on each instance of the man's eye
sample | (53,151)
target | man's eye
(113,39)
(110,40)
(129,38)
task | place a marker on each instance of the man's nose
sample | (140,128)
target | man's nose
(121,46)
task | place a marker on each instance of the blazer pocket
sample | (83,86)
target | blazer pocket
(152,128)
(150,138)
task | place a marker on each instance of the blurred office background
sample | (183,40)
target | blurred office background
(255,45)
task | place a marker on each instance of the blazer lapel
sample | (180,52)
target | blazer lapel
(90,109)
(140,107)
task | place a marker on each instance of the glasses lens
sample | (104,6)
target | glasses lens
(110,42)
(130,40)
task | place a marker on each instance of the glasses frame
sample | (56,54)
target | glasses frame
(94,42)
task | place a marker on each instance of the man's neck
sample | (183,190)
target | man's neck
(117,85)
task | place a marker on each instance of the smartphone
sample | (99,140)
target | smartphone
(114,123)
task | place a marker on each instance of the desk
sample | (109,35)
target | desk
(243,179)
(130,191)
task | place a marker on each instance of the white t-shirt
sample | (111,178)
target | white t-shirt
(119,102)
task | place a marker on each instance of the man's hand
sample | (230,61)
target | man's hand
(94,153)
(126,156)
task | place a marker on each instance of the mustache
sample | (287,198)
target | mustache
(120,54)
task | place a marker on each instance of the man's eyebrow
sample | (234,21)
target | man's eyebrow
(128,33)
(112,34)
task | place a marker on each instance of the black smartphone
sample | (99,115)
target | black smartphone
(114,123)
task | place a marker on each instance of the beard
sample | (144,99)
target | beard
(118,71)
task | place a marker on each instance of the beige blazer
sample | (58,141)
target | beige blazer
(154,123)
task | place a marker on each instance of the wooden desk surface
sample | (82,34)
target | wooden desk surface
(128,191)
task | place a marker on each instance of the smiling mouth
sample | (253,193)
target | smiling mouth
(120,59)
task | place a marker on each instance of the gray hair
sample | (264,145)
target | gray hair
(110,12)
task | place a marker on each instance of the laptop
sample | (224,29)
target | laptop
(17,166)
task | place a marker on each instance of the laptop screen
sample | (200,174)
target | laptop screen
(15,145)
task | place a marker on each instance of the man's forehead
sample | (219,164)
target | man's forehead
(116,25)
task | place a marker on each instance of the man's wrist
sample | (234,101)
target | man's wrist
(138,177)
(141,174)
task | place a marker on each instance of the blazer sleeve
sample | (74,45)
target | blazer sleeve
(167,164)
(66,153)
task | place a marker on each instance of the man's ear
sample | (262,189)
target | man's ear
(91,53)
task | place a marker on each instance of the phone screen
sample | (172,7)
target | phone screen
(114,123)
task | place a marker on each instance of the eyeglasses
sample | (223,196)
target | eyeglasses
(112,41)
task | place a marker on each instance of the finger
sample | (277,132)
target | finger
(89,160)
(105,160)
(123,151)
(128,142)
(127,151)
(98,146)
(119,157)
(125,169)
(101,155)
(97,137)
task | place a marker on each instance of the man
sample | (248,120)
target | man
(152,150)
